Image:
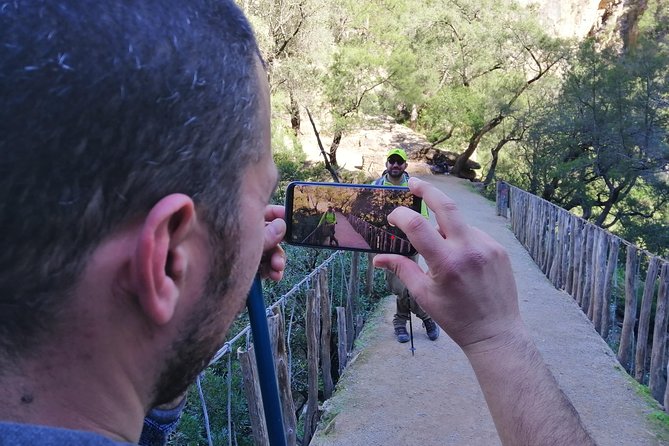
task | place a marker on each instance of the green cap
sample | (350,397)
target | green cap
(399,152)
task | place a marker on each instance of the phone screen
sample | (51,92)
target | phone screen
(347,216)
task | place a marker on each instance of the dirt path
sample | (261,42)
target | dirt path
(388,397)
(348,236)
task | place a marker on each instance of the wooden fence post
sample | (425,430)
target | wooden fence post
(666,393)
(546,242)
(351,300)
(594,270)
(531,236)
(312,335)
(611,265)
(551,238)
(599,280)
(278,339)
(326,333)
(572,288)
(248,364)
(557,233)
(627,333)
(657,381)
(534,221)
(342,339)
(531,208)
(369,275)
(587,279)
(593,259)
(540,231)
(502,198)
(644,319)
(567,222)
(582,269)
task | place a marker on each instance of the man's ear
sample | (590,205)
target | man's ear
(161,261)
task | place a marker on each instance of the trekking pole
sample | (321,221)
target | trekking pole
(269,388)
(411,335)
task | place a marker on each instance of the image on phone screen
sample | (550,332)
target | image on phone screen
(347,216)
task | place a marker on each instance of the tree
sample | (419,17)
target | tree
(601,148)
(352,77)
(485,56)
(291,38)
(364,65)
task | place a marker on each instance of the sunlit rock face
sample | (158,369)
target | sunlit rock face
(568,18)
(613,23)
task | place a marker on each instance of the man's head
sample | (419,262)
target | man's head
(396,162)
(111,113)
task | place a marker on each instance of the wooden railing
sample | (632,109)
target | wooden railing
(584,260)
(329,314)
(377,238)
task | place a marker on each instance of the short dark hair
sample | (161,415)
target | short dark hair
(105,108)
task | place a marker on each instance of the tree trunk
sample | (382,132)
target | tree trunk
(294,111)
(493,165)
(413,119)
(334,146)
(461,161)
(495,157)
(329,168)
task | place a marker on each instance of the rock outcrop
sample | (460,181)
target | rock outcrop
(613,23)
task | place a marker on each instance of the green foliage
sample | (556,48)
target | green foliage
(659,420)
(192,430)
(600,147)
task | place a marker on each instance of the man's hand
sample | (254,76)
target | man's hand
(469,288)
(470,291)
(273,261)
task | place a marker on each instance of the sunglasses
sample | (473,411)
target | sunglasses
(395,160)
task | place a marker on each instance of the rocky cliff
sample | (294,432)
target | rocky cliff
(611,22)
(567,18)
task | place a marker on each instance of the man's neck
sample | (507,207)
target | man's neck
(42,393)
(397,181)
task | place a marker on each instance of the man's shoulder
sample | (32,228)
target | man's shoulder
(15,434)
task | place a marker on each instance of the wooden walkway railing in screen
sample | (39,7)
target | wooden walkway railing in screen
(378,238)
(584,260)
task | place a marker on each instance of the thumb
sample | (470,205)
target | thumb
(404,268)
(275,230)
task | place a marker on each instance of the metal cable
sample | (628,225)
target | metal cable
(204,410)
(229,405)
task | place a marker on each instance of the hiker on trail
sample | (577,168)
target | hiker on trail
(328,224)
(136,170)
(395,175)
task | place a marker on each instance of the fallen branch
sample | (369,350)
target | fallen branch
(328,166)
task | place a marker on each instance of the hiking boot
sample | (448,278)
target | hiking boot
(431,328)
(402,335)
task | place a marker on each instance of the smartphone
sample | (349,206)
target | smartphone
(347,216)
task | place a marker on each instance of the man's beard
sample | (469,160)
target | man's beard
(398,173)
(191,353)
(201,334)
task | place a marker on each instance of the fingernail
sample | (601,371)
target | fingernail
(272,227)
